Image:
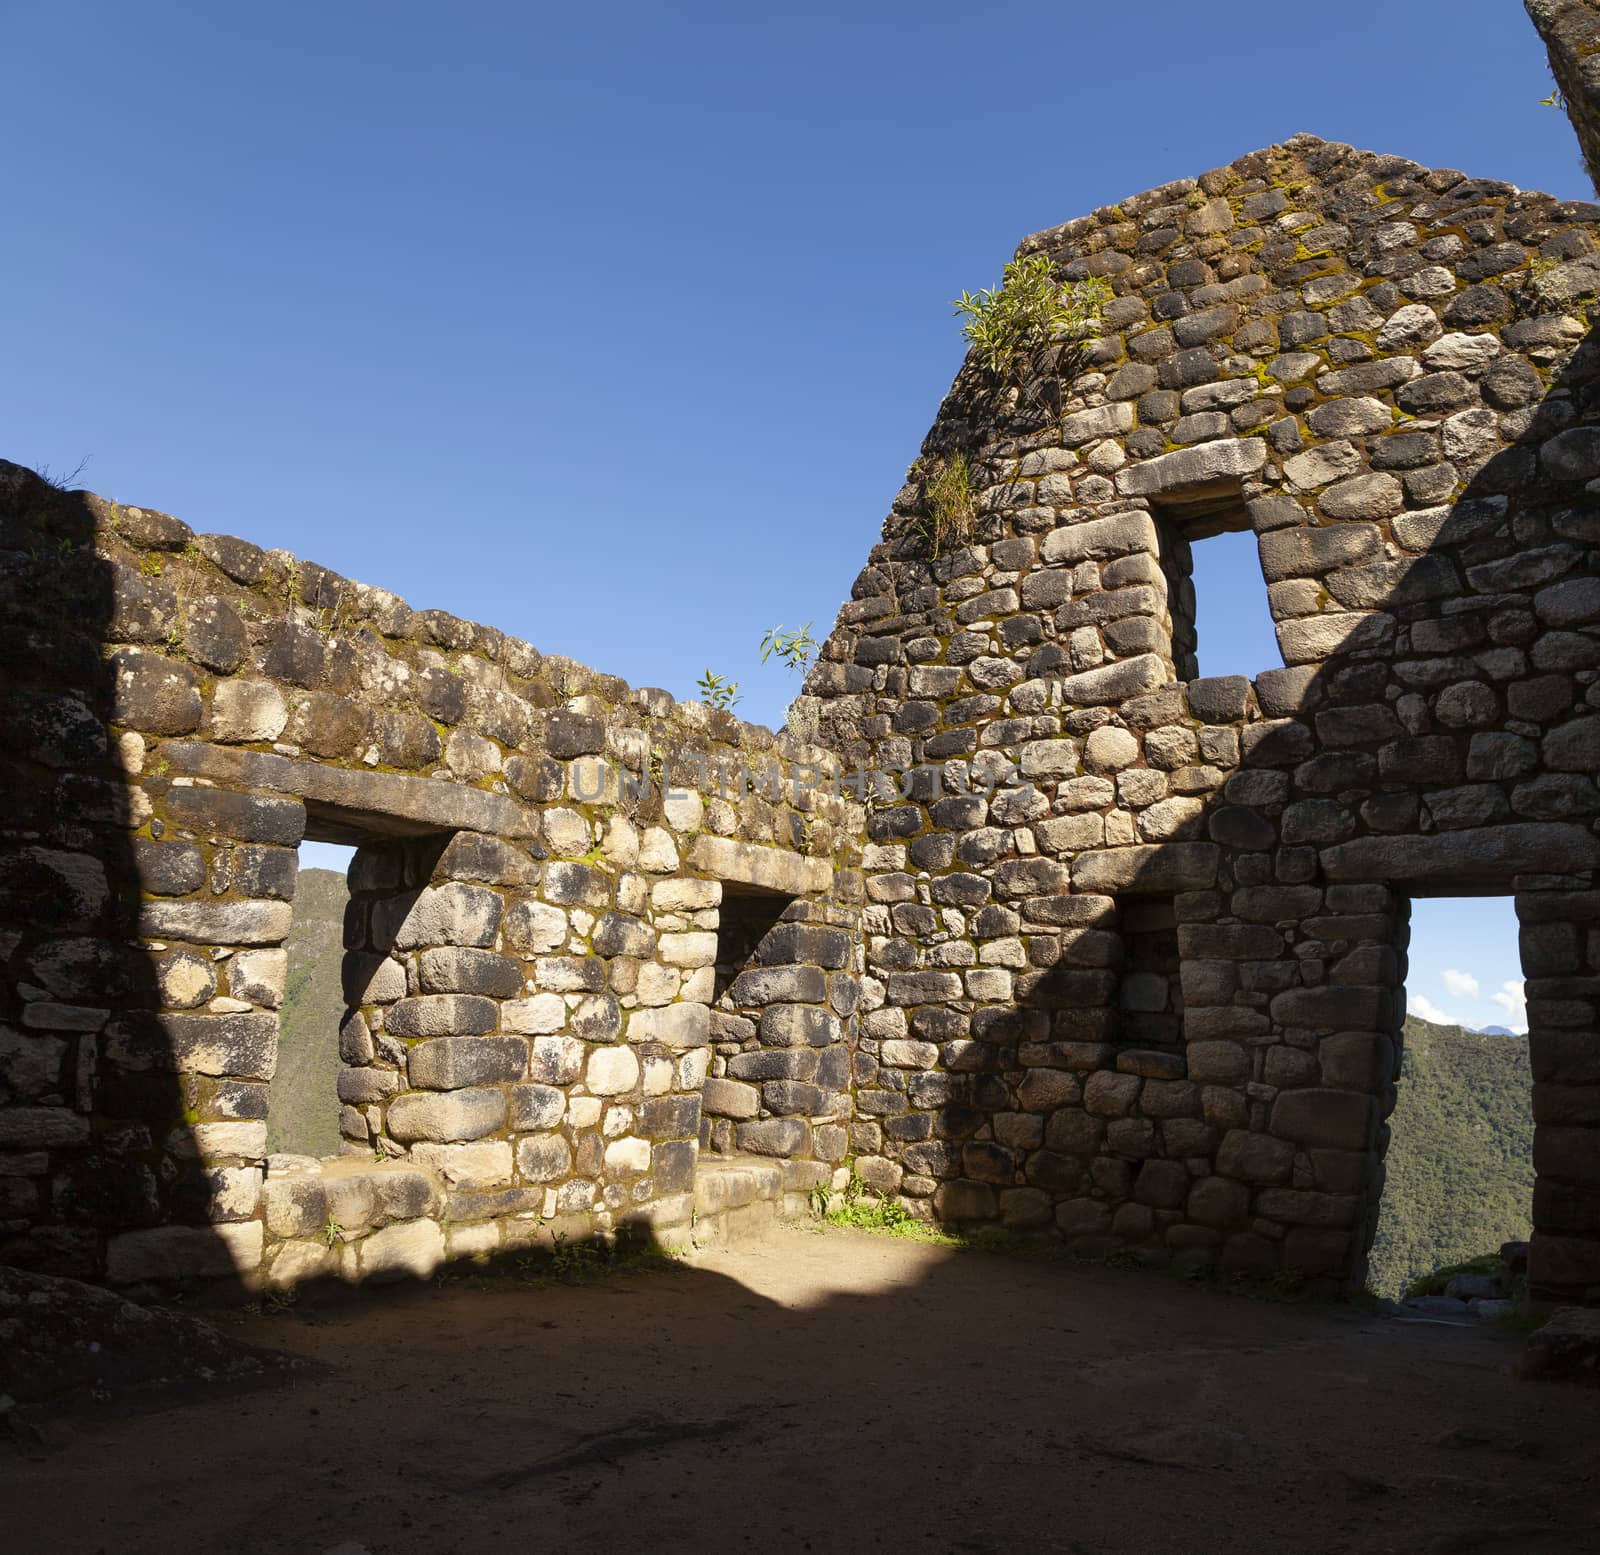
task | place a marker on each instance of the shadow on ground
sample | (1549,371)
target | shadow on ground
(831,1390)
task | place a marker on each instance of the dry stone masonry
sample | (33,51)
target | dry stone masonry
(1135,951)
(546,860)
(1098,949)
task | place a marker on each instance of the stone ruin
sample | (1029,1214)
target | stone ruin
(1019,920)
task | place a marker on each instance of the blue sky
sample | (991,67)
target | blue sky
(617,327)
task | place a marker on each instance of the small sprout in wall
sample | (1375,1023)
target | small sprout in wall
(796,649)
(332,1231)
(718,691)
(949,505)
(1030,308)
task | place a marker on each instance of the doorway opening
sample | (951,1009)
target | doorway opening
(303,1105)
(1459,1171)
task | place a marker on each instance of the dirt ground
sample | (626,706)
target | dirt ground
(829,1391)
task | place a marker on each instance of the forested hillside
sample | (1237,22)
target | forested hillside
(304,1112)
(1460,1166)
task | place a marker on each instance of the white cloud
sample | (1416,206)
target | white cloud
(1461,985)
(1424,1008)
(1510,998)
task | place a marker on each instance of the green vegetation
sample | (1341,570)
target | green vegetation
(1030,308)
(1460,1165)
(719,691)
(949,505)
(303,1115)
(1434,1283)
(796,649)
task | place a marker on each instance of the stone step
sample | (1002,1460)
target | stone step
(731,1182)
(737,1199)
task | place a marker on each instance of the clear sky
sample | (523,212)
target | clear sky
(617,327)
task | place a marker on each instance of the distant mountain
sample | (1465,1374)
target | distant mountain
(1460,1164)
(303,1115)
(1493,1031)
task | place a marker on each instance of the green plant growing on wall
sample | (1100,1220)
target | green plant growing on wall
(718,691)
(796,649)
(949,504)
(1030,308)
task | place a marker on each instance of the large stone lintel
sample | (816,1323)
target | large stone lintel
(365,802)
(766,869)
(1485,854)
(1157,866)
(1191,473)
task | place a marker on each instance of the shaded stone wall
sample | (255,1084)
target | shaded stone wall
(531,942)
(1571,33)
(1135,960)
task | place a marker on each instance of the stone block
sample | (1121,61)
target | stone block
(1478,853)
(612,1071)
(556,1060)
(773,1136)
(485,1163)
(166,1253)
(153,694)
(444,1117)
(246,711)
(1194,472)
(1336,1120)
(244,1046)
(731,1099)
(680,1025)
(450,1063)
(1218,1202)
(1333,1006)
(544,1158)
(778,985)
(1255,1158)
(768,869)
(536,1016)
(442,1015)
(453,969)
(371,979)
(1152,867)
(411,1249)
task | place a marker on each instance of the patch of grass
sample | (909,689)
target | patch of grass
(1522,1321)
(1433,1284)
(949,505)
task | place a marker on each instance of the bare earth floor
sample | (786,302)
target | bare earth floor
(831,1390)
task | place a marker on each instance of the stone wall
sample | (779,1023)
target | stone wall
(1135,952)
(532,942)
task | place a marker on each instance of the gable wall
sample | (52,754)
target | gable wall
(1387,374)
